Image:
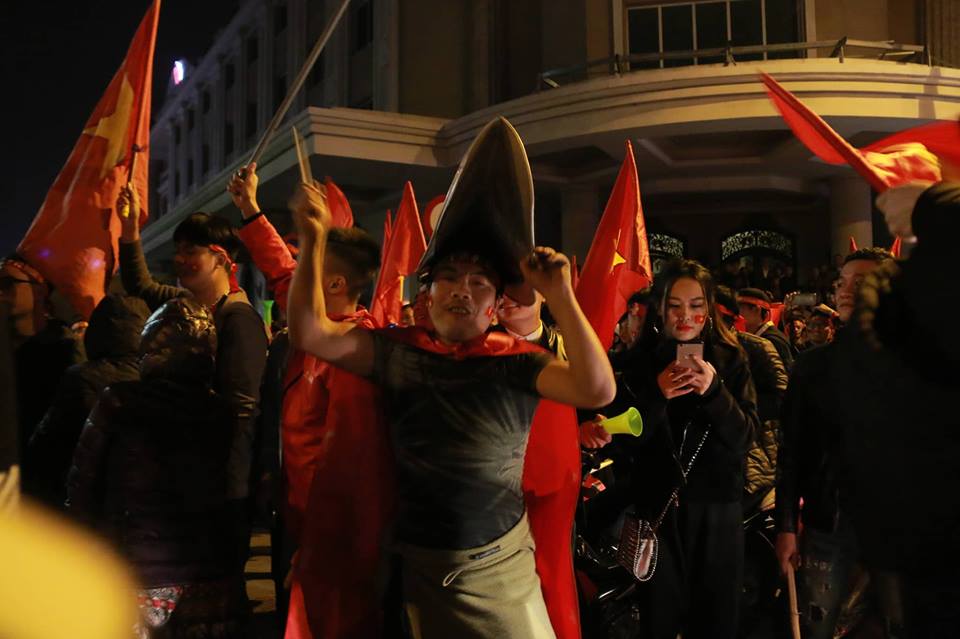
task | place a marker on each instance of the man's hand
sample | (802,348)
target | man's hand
(310,210)
(593,435)
(897,205)
(787,553)
(243,190)
(129,201)
(674,381)
(548,272)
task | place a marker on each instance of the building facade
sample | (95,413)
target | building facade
(404,85)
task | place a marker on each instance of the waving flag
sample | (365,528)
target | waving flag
(73,239)
(402,254)
(618,263)
(339,206)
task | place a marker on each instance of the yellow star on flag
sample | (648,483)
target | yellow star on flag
(617,257)
(113,127)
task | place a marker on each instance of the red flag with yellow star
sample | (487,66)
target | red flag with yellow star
(618,263)
(401,257)
(73,239)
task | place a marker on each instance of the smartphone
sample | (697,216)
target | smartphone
(686,353)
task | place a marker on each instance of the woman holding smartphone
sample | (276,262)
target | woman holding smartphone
(691,383)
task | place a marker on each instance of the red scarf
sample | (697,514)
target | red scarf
(352,500)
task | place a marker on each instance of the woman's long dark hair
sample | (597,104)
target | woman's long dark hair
(694,270)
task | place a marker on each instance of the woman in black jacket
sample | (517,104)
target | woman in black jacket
(700,417)
(150,472)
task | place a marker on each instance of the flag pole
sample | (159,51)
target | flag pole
(298,83)
(792,592)
(134,151)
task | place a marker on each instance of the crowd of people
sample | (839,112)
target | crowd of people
(174,427)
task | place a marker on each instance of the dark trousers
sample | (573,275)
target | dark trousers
(918,607)
(697,583)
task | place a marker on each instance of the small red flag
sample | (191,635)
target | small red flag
(882,166)
(73,239)
(339,206)
(618,263)
(895,248)
(853,245)
(402,256)
(387,229)
(431,213)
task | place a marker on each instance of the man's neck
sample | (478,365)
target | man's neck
(528,332)
(212,294)
(337,306)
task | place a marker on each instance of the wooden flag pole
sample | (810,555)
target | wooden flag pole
(794,612)
(306,175)
(134,151)
(298,83)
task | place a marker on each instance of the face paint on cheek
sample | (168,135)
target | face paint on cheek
(700,319)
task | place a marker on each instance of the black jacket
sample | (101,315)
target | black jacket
(781,343)
(901,430)
(150,473)
(241,358)
(111,341)
(672,430)
(770,381)
(809,460)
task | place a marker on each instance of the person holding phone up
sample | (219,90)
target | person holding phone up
(691,383)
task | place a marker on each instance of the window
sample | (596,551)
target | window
(176,184)
(205,159)
(190,115)
(710,24)
(229,75)
(252,49)
(205,102)
(189,173)
(279,18)
(176,134)
(361,23)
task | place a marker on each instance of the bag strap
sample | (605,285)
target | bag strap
(676,491)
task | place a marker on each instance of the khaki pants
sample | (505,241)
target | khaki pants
(488,592)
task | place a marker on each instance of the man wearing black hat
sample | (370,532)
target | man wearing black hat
(755,306)
(460,399)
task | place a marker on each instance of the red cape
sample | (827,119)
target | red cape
(340,571)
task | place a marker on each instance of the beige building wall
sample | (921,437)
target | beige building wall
(869,20)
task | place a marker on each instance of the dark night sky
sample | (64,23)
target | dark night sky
(60,56)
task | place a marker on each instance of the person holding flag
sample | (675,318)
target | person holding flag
(459,399)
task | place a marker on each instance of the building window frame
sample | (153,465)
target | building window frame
(659,5)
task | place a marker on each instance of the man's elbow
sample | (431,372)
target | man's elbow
(599,394)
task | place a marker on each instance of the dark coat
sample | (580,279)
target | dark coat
(150,471)
(111,341)
(901,427)
(770,381)
(809,461)
(781,343)
(673,429)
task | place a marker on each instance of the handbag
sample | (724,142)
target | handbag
(639,547)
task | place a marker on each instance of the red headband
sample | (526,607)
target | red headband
(231,266)
(756,301)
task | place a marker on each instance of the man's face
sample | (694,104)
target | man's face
(406,316)
(819,330)
(752,314)
(847,285)
(516,317)
(463,300)
(195,266)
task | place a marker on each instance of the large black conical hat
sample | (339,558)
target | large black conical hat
(488,210)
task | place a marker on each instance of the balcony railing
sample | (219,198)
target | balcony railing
(617,65)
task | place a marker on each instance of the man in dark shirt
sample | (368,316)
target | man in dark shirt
(459,402)
(755,306)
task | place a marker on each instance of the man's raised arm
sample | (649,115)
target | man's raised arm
(586,379)
(310,328)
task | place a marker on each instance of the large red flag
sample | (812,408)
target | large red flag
(618,263)
(885,164)
(387,230)
(401,258)
(73,239)
(340,209)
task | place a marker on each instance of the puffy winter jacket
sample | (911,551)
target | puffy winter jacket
(770,381)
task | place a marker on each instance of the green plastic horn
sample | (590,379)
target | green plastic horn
(628,422)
